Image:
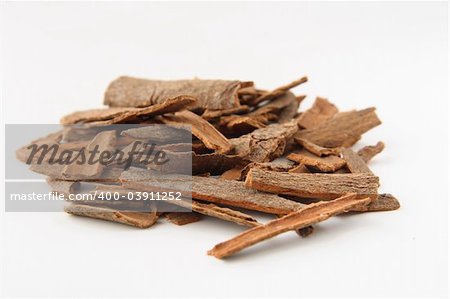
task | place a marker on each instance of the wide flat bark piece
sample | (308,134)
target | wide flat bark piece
(321,111)
(324,164)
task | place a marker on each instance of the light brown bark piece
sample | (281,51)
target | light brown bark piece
(307,216)
(225,192)
(384,202)
(273,166)
(63,187)
(354,162)
(313,185)
(116,115)
(137,219)
(278,91)
(324,164)
(103,142)
(201,129)
(211,94)
(224,214)
(264,144)
(316,149)
(23,153)
(300,169)
(233,174)
(344,129)
(182,218)
(368,152)
(288,113)
(321,111)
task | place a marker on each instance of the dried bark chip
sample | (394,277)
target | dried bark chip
(63,187)
(384,202)
(277,92)
(233,174)
(158,134)
(264,144)
(137,219)
(316,149)
(307,216)
(321,111)
(23,153)
(51,170)
(224,214)
(182,218)
(368,152)
(212,114)
(273,166)
(290,111)
(313,185)
(103,142)
(344,129)
(94,115)
(201,129)
(324,164)
(354,162)
(300,168)
(211,94)
(230,193)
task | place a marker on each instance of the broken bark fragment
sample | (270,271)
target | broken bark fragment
(316,149)
(63,187)
(137,219)
(354,162)
(182,218)
(103,142)
(309,215)
(211,94)
(384,202)
(313,185)
(265,144)
(23,153)
(230,193)
(344,129)
(201,129)
(288,113)
(233,174)
(324,164)
(277,92)
(368,152)
(211,114)
(321,111)
(158,134)
(300,168)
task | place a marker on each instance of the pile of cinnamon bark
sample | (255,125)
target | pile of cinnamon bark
(251,150)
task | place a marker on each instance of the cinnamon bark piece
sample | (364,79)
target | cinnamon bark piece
(280,102)
(384,202)
(313,185)
(288,113)
(201,129)
(182,218)
(321,111)
(344,129)
(324,164)
(211,94)
(264,144)
(278,91)
(354,162)
(158,134)
(225,192)
(103,142)
(316,149)
(23,153)
(309,215)
(273,166)
(224,214)
(233,174)
(63,187)
(300,168)
(368,152)
(212,114)
(137,219)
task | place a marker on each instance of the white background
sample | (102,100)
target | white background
(60,57)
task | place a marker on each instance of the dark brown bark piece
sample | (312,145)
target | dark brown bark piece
(264,144)
(316,149)
(324,164)
(384,202)
(313,185)
(306,231)
(278,91)
(344,129)
(137,219)
(201,129)
(233,174)
(225,192)
(370,151)
(307,216)
(354,162)
(182,218)
(103,142)
(321,111)
(211,94)
(288,113)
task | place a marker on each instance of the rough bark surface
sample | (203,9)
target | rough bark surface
(321,111)
(370,151)
(324,164)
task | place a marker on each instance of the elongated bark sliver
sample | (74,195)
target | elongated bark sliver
(307,216)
